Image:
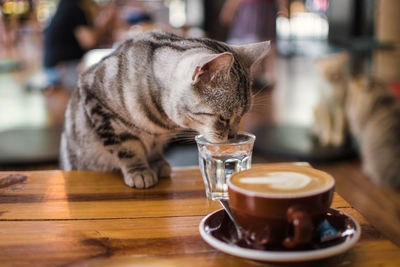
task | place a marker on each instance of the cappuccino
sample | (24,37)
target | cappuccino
(280,204)
(282,181)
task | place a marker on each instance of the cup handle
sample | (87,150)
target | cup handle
(302,226)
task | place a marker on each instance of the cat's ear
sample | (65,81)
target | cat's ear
(209,65)
(251,54)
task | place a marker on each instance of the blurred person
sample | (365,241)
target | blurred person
(8,34)
(3,36)
(255,21)
(74,29)
(15,25)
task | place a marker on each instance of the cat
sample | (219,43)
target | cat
(373,113)
(126,108)
(330,126)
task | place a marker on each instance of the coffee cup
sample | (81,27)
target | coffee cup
(280,204)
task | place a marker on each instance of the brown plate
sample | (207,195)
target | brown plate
(217,230)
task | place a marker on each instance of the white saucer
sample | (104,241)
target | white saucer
(214,230)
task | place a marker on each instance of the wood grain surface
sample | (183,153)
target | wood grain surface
(380,205)
(81,218)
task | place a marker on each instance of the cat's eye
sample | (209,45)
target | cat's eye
(202,114)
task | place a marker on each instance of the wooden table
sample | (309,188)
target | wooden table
(84,218)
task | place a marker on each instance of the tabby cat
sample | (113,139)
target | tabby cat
(126,107)
(373,113)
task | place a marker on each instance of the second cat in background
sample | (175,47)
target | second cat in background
(365,108)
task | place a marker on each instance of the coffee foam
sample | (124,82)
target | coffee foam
(282,181)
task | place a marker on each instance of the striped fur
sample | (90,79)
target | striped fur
(126,107)
(373,113)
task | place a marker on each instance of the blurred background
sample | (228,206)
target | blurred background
(44,44)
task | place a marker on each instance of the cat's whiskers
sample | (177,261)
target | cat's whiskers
(260,107)
(256,93)
(263,99)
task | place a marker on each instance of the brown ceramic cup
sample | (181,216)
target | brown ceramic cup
(280,204)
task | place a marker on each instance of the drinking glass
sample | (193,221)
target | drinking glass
(218,161)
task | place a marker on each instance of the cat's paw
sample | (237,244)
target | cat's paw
(141,178)
(162,168)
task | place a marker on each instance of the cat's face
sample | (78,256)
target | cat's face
(220,92)
(216,107)
(333,68)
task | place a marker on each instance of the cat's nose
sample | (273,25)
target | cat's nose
(232,135)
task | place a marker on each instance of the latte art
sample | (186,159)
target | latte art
(280,180)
